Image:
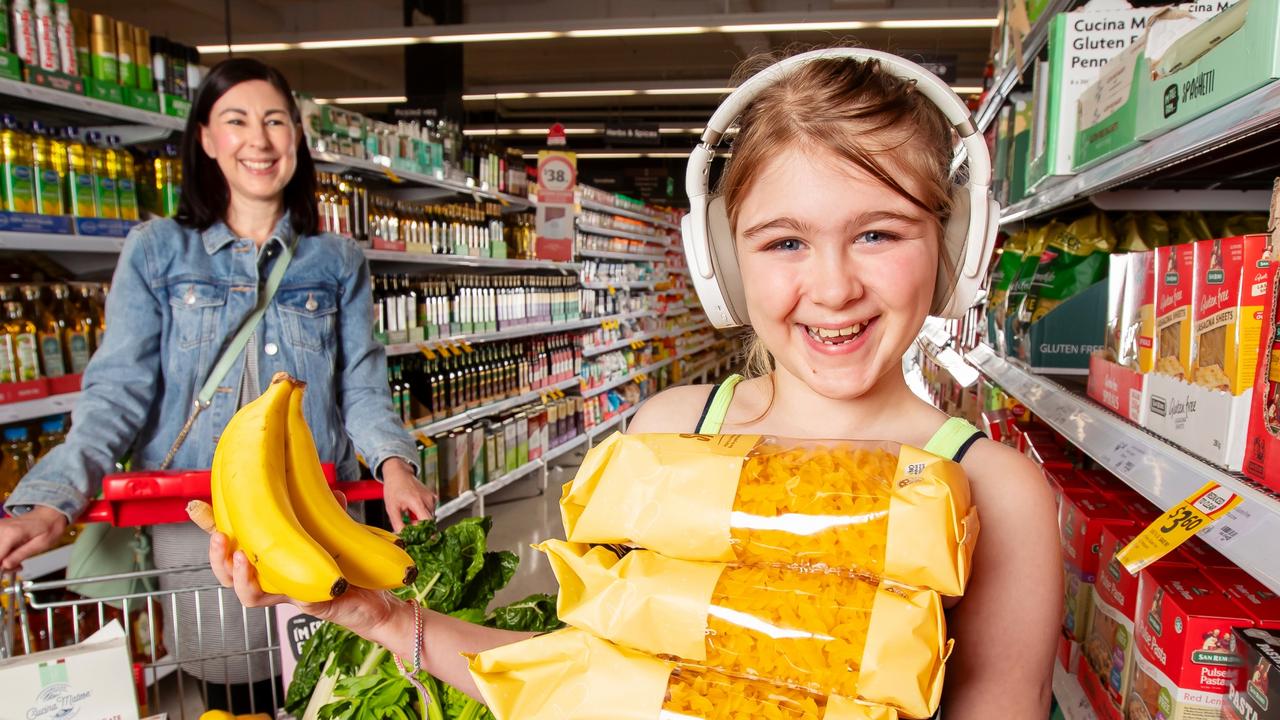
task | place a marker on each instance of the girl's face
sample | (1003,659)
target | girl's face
(252,138)
(839,270)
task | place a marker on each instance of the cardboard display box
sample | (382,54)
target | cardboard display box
(1256,695)
(1061,342)
(1209,423)
(1117,388)
(1082,519)
(88,681)
(1232,275)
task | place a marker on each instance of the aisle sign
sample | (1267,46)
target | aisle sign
(557,181)
(1209,504)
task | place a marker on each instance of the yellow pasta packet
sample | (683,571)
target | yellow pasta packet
(875,508)
(573,675)
(826,632)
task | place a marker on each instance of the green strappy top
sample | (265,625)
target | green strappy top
(952,440)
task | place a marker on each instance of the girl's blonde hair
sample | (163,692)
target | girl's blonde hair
(850,110)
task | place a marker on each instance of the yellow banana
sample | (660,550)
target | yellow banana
(367,560)
(251,497)
(387,535)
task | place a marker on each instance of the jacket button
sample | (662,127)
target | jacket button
(271,349)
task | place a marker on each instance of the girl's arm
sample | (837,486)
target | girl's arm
(376,616)
(1006,627)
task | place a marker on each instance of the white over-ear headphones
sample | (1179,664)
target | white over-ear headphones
(969,235)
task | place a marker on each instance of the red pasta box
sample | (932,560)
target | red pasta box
(1109,648)
(1175,298)
(1084,517)
(1186,656)
(1231,283)
(1262,448)
(1197,552)
(1257,599)
(1256,696)
(1064,481)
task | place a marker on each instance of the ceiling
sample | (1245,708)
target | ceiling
(697,60)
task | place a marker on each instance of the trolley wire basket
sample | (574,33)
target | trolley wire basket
(46,615)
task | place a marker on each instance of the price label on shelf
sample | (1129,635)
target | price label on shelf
(545,397)
(559,394)
(640,378)
(391,175)
(637,345)
(466,346)
(1209,504)
(427,351)
(613,290)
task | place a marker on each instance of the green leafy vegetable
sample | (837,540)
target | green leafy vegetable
(343,677)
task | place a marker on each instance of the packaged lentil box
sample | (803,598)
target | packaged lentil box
(825,632)
(573,675)
(876,508)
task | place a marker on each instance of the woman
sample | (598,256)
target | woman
(836,194)
(182,289)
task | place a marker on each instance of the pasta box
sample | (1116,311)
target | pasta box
(1198,553)
(1117,388)
(1175,297)
(1257,599)
(1256,695)
(1186,657)
(1194,67)
(1209,423)
(1232,277)
(1083,517)
(1262,449)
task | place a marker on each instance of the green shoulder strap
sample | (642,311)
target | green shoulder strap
(955,435)
(718,406)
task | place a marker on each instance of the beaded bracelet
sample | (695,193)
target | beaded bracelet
(417,656)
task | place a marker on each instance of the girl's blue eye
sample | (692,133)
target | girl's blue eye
(790,244)
(875,237)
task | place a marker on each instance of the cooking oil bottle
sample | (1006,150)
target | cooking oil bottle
(19,359)
(48,180)
(120,161)
(48,332)
(77,329)
(17,186)
(104,188)
(80,182)
(16,458)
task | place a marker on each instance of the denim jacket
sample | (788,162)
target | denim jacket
(177,297)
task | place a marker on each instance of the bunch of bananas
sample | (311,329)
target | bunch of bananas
(271,500)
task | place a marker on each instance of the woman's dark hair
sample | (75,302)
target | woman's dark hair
(204,189)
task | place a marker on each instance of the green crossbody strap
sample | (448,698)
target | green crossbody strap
(233,350)
(717,407)
(953,439)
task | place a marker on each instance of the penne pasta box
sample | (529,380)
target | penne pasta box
(876,508)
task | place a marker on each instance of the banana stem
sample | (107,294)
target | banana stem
(201,513)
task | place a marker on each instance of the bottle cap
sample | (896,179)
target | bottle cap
(52,425)
(103,24)
(15,433)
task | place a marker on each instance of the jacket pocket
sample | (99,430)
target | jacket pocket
(196,305)
(309,315)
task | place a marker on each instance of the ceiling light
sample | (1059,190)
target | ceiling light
(244,48)
(367,42)
(937,24)
(680,131)
(366,100)
(688,91)
(637,32)
(793,27)
(490,97)
(584,93)
(967,89)
(492,37)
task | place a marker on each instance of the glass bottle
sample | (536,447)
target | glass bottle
(15,460)
(52,434)
(19,358)
(48,332)
(77,329)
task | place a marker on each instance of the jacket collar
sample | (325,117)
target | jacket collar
(218,235)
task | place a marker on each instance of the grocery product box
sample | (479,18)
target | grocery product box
(1082,518)
(1262,461)
(55,80)
(174,106)
(1256,694)
(1192,68)
(1117,388)
(148,100)
(105,91)
(10,66)
(1185,661)
(1198,553)
(1068,483)
(1232,278)
(1061,342)
(91,680)
(1019,155)
(1080,44)
(1096,691)
(1175,297)
(1209,423)
(1262,605)
(1106,113)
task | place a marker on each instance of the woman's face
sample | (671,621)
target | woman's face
(839,270)
(252,138)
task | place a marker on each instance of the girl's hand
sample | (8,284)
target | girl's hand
(362,611)
(403,493)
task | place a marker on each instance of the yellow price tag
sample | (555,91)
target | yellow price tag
(613,290)
(427,352)
(391,176)
(466,346)
(544,397)
(1180,524)
(453,348)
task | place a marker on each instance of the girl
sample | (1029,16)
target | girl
(836,197)
(183,287)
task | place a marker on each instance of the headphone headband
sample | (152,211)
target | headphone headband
(969,235)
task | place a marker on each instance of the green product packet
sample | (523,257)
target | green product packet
(1020,285)
(18,188)
(105,197)
(1072,261)
(145,81)
(80,199)
(127,198)
(48,192)
(106,68)
(128,73)
(1006,267)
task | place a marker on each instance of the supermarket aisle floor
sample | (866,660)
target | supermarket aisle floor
(520,518)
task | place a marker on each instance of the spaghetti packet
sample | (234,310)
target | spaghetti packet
(877,508)
(572,675)
(825,632)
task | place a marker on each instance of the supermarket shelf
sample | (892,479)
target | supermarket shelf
(527,331)
(453,506)
(601,207)
(51,242)
(1160,471)
(610,232)
(592,392)
(64,104)
(469,416)
(42,407)
(634,285)
(564,448)
(613,422)
(630,257)
(625,342)
(1203,137)
(46,563)
(692,327)
(467,261)
(343,163)
(494,486)
(676,311)
(1070,696)
(1008,78)
(699,348)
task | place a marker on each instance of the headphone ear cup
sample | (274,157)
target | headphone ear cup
(955,237)
(724,258)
